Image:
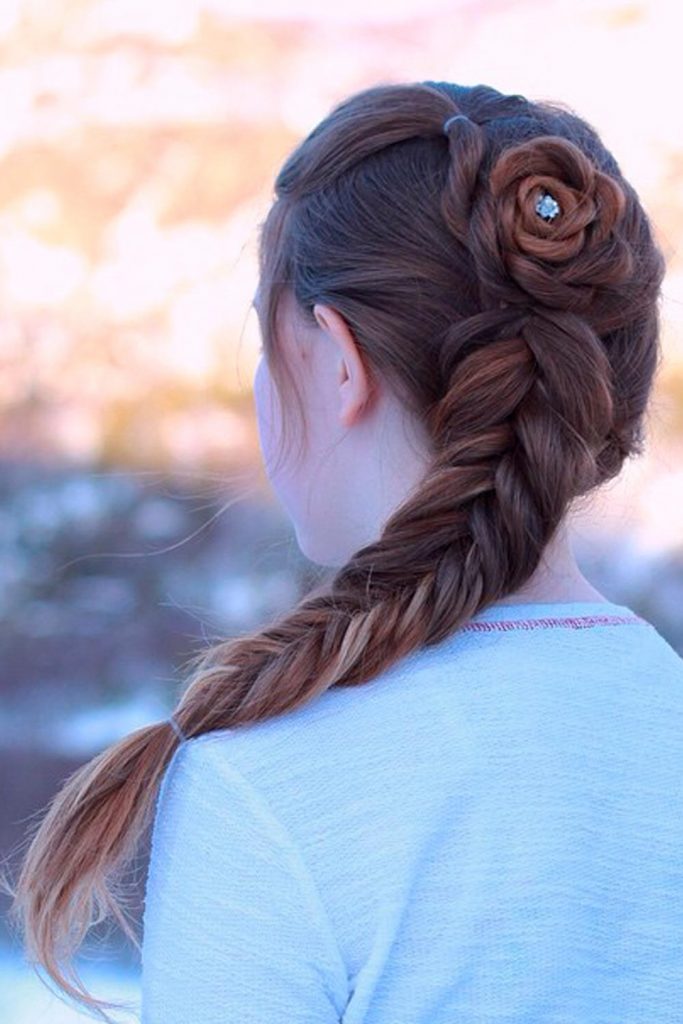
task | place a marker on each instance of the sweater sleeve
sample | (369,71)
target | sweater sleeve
(234,930)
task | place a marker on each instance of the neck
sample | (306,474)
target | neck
(557,577)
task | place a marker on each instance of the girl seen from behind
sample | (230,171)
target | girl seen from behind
(446,784)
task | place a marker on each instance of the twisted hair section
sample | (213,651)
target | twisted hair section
(525,345)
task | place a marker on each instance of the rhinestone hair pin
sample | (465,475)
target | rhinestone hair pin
(547,207)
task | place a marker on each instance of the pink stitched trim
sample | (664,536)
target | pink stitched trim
(582,622)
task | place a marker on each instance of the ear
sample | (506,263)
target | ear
(355,387)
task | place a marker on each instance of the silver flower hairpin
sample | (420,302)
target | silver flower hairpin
(547,207)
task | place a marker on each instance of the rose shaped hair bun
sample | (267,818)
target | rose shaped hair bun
(591,203)
(552,205)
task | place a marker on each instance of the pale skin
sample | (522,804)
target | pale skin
(364,454)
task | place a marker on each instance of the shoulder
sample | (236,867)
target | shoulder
(207,811)
(342,718)
(202,783)
(213,827)
(227,896)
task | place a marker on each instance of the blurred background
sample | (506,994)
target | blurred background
(138,145)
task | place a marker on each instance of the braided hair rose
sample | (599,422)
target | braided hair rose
(552,202)
(557,219)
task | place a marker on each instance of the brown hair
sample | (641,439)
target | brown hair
(526,343)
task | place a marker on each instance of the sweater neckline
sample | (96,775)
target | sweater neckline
(557,612)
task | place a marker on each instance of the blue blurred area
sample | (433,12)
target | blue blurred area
(108,582)
(26,999)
